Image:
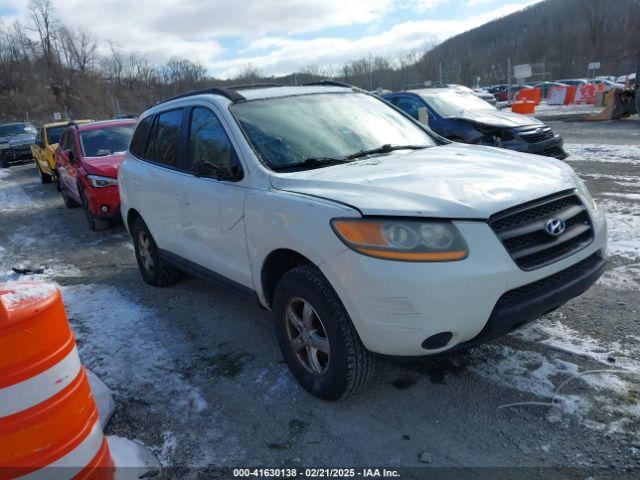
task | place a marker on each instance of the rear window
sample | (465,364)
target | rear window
(139,140)
(163,141)
(16,129)
(53,134)
(106,141)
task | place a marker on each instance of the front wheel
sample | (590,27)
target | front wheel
(44,177)
(56,180)
(154,269)
(96,224)
(68,201)
(316,336)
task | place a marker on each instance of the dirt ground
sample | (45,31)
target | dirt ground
(198,377)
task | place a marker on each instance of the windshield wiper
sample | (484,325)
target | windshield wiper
(312,162)
(384,149)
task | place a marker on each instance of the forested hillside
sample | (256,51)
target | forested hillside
(47,66)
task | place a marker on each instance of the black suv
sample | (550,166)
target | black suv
(15,142)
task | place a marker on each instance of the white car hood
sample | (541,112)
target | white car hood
(452,181)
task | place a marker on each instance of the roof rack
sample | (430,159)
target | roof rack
(327,83)
(253,85)
(225,92)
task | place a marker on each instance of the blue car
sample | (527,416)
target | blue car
(462,117)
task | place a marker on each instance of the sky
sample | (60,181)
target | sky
(277,37)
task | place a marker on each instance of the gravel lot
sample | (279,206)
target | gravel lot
(198,376)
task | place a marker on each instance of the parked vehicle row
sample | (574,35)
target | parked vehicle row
(365,233)
(501,91)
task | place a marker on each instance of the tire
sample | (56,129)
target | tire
(68,201)
(347,365)
(5,164)
(44,177)
(56,181)
(161,273)
(96,224)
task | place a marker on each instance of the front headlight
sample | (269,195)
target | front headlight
(99,182)
(584,192)
(4,146)
(405,240)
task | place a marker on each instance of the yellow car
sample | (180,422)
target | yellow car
(46,143)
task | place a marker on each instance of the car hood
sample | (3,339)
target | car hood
(105,166)
(453,181)
(498,118)
(18,139)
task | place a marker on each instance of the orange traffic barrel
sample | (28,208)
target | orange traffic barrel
(526,107)
(48,419)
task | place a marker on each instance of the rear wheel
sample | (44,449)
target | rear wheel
(44,177)
(316,336)
(154,269)
(96,224)
(5,163)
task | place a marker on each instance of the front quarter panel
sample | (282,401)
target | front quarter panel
(281,220)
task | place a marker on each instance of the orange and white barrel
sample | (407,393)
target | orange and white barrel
(49,424)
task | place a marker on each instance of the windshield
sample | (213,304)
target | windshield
(106,141)
(289,130)
(16,129)
(53,134)
(453,103)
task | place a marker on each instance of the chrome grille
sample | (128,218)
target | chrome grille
(522,230)
(536,135)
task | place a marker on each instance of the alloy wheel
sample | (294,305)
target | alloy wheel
(307,336)
(144,249)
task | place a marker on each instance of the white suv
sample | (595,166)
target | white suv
(362,231)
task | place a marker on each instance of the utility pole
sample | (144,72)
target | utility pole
(440,73)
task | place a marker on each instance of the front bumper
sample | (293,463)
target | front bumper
(396,306)
(105,197)
(548,148)
(16,154)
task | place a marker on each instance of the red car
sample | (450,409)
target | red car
(87,161)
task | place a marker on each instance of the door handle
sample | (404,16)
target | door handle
(182,198)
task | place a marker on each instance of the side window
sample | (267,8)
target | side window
(409,105)
(163,141)
(208,141)
(139,139)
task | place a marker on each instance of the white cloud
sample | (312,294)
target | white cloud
(264,33)
(288,54)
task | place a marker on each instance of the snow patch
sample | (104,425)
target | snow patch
(623,222)
(107,326)
(103,398)
(131,459)
(14,293)
(555,334)
(626,277)
(592,152)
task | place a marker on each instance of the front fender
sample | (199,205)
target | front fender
(283,220)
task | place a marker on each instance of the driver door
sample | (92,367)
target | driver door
(214,206)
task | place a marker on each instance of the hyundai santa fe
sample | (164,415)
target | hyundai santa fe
(363,232)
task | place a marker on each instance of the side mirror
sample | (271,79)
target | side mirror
(423,116)
(40,143)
